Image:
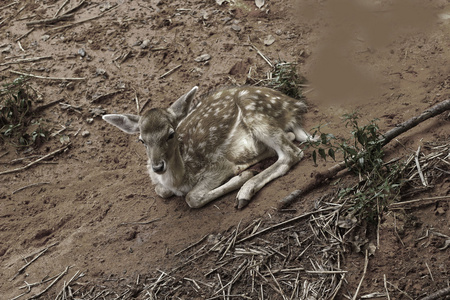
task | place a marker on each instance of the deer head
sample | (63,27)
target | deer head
(157,130)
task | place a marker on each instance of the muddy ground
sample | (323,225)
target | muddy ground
(388,60)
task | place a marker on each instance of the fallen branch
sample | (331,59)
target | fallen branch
(320,178)
(36,161)
(438,295)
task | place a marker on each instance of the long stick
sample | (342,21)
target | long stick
(385,139)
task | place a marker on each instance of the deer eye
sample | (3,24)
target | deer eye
(171,135)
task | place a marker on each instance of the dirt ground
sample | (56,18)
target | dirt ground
(94,203)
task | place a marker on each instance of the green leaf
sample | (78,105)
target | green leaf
(314,156)
(322,153)
(323,138)
(331,154)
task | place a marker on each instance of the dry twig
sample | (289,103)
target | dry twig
(170,71)
(50,21)
(31,261)
(366,262)
(25,60)
(30,185)
(43,77)
(36,161)
(438,295)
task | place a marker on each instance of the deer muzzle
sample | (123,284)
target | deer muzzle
(159,167)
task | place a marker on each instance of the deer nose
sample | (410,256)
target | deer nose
(159,168)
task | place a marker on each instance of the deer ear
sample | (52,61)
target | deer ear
(180,107)
(125,122)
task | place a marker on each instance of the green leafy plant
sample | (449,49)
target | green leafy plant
(379,183)
(16,118)
(286,79)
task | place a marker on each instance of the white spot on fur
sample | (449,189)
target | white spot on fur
(243,93)
(250,106)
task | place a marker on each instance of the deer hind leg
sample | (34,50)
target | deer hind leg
(288,155)
(211,188)
(301,135)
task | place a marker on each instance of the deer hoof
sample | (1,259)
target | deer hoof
(241,203)
(163,192)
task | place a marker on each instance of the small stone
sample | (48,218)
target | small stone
(236,27)
(85,133)
(45,37)
(440,211)
(145,44)
(121,85)
(203,57)
(82,52)
(90,120)
(99,72)
(96,112)
(269,40)
(279,32)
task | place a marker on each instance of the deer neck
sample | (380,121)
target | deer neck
(177,170)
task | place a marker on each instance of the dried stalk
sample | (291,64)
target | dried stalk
(366,262)
(25,60)
(43,77)
(75,8)
(170,71)
(31,261)
(59,9)
(50,285)
(30,185)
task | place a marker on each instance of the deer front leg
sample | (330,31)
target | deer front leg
(288,155)
(202,193)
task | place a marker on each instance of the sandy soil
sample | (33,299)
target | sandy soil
(389,62)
